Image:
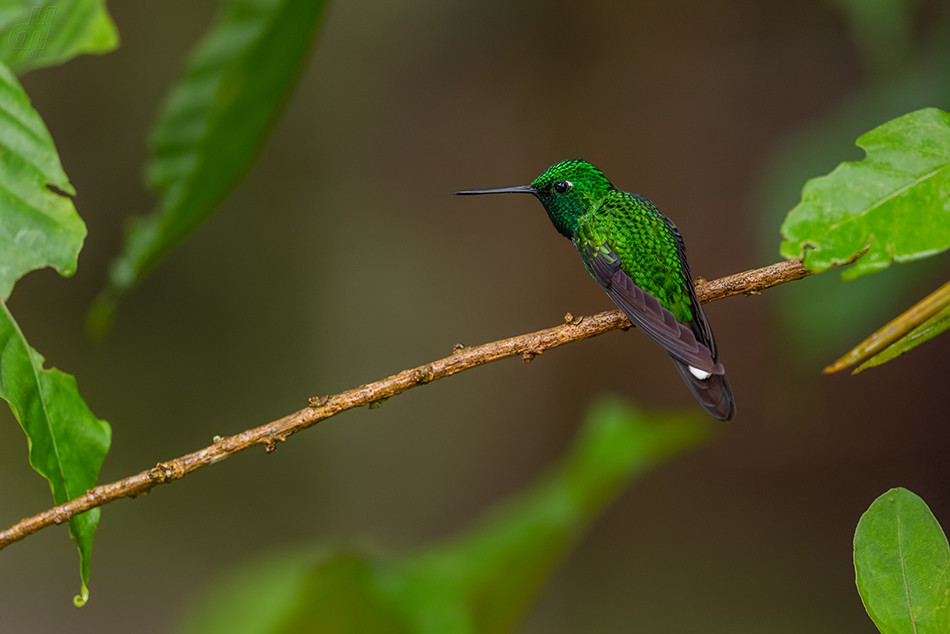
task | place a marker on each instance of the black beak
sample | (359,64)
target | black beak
(517,189)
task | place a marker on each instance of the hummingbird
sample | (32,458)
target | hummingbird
(638,257)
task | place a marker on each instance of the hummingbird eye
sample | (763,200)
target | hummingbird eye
(563,186)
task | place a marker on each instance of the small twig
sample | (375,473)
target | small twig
(321,408)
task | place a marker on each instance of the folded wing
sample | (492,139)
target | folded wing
(692,346)
(646,312)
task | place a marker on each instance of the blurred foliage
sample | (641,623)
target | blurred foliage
(820,313)
(38,228)
(481,582)
(901,564)
(213,127)
(890,206)
(881,29)
(36,34)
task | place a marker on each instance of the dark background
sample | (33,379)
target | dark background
(341,259)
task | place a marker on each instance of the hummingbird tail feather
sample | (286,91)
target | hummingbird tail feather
(712,392)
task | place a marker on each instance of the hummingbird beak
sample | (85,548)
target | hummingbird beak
(517,189)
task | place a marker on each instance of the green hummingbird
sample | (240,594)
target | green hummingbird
(638,257)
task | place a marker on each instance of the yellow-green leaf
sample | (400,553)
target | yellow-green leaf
(898,332)
(924,332)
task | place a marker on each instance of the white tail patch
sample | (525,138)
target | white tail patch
(699,374)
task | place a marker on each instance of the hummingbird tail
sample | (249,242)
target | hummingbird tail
(712,390)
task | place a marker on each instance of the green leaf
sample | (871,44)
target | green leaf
(894,203)
(480,582)
(922,333)
(67,442)
(901,559)
(38,227)
(36,34)
(821,313)
(213,127)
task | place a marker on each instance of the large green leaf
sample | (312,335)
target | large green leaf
(821,314)
(893,203)
(213,127)
(481,582)
(38,227)
(67,442)
(35,34)
(901,561)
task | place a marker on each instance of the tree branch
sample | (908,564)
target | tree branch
(320,408)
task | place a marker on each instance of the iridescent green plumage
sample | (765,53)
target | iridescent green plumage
(646,243)
(638,256)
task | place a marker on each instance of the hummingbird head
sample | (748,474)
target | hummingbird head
(568,190)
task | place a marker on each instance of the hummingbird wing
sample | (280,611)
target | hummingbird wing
(713,392)
(646,313)
(699,324)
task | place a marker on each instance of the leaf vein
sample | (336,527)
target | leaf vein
(900,550)
(897,192)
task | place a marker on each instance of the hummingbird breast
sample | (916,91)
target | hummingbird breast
(645,241)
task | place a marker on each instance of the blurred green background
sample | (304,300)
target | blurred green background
(341,259)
